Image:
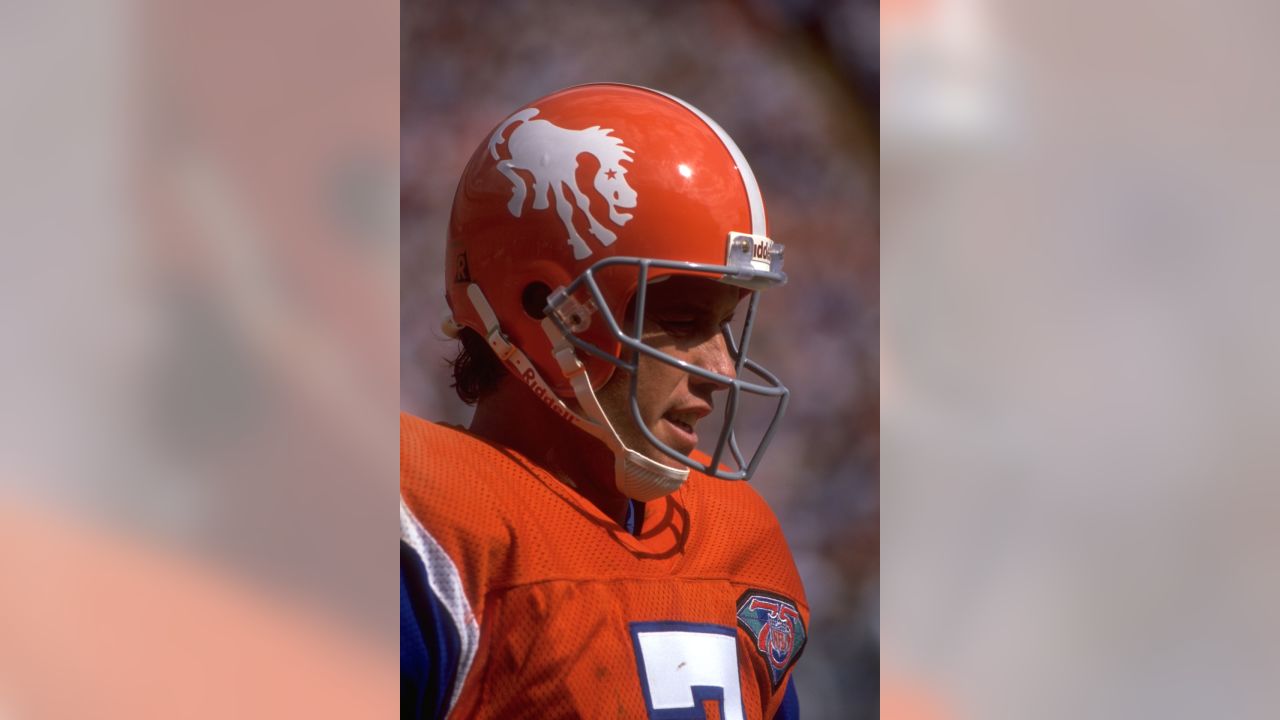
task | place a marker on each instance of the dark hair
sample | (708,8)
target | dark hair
(476,369)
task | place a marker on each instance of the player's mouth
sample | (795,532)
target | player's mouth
(681,424)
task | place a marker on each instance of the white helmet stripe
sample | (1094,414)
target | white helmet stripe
(748,177)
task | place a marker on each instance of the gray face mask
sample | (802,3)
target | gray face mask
(754,263)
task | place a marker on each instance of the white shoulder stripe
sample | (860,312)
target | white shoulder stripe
(754,200)
(442,576)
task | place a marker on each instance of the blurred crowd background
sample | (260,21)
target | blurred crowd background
(199,379)
(795,84)
(1079,349)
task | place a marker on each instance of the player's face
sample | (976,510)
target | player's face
(683,318)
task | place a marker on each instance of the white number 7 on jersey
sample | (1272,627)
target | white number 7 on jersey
(683,665)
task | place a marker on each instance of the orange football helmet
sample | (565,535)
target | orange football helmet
(570,207)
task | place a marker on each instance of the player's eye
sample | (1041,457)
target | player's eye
(679,326)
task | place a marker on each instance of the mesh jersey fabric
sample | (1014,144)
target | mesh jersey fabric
(558,595)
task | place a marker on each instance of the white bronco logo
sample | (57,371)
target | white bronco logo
(551,153)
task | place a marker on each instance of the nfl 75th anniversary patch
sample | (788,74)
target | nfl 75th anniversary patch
(774,623)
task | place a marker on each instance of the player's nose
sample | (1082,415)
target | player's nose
(713,354)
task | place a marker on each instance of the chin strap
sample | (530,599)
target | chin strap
(636,476)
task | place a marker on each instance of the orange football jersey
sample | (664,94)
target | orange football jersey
(561,613)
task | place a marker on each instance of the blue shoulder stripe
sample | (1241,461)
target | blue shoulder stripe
(430,644)
(790,707)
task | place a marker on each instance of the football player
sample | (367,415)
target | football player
(573,553)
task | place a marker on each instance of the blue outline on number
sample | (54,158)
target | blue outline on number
(701,693)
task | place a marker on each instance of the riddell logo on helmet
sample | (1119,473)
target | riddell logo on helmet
(550,153)
(461,273)
(530,379)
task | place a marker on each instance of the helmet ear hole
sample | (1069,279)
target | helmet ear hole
(534,299)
